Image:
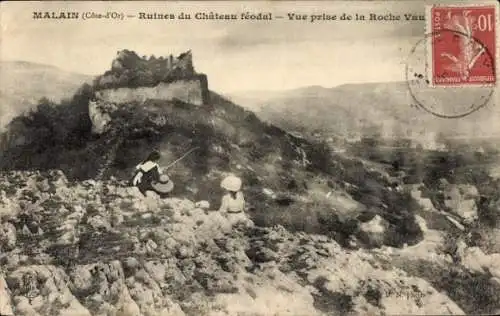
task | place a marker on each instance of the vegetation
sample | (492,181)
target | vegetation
(60,137)
(461,286)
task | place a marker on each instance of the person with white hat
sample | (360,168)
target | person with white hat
(233,203)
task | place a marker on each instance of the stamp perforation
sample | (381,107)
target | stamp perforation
(455,101)
(429,62)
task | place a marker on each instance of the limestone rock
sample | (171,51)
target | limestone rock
(425,203)
(373,231)
(476,260)
(99,118)
(460,199)
(172,257)
(467,209)
(44,185)
(39,288)
(5,298)
(203,204)
(8,236)
(99,222)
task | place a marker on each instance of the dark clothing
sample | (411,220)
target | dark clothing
(146,173)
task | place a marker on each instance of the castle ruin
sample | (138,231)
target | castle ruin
(135,78)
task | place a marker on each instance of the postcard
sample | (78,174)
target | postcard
(292,158)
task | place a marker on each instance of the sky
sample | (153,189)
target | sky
(235,55)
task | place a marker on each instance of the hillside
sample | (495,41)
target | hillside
(23,84)
(354,110)
(229,140)
(332,233)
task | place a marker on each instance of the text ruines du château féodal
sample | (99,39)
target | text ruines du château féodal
(290,16)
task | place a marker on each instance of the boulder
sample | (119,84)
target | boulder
(460,200)
(5,301)
(44,185)
(8,237)
(278,294)
(99,222)
(202,204)
(468,191)
(8,207)
(425,203)
(467,209)
(127,306)
(268,192)
(344,205)
(98,117)
(421,223)
(476,260)
(46,285)
(373,231)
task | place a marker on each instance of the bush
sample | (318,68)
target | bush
(473,292)
(60,124)
(320,155)
(49,129)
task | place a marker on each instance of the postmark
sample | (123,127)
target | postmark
(462,49)
(445,101)
(443,84)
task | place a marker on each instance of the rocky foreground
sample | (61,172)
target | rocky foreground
(91,248)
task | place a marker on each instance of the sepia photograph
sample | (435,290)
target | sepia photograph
(249,158)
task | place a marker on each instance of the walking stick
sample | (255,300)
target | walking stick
(179,159)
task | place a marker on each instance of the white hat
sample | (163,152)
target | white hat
(231,183)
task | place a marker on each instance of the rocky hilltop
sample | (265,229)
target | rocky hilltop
(102,249)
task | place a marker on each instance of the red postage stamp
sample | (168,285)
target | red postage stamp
(462,49)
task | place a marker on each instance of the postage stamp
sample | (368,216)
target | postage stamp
(463,48)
